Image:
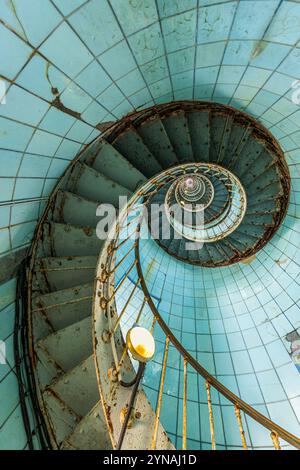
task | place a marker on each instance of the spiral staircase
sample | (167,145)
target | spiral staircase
(74,319)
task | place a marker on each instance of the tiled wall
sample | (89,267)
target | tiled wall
(69,65)
(237,322)
(12,433)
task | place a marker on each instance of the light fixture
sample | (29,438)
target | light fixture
(141,344)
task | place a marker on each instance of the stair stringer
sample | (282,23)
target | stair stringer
(115,397)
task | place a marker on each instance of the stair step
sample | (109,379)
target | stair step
(261,179)
(262,162)
(258,192)
(263,219)
(176,125)
(253,150)
(112,164)
(89,183)
(137,153)
(70,345)
(78,388)
(219,136)
(254,231)
(155,137)
(215,254)
(68,240)
(76,210)
(54,274)
(46,367)
(239,138)
(90,433)
(199,126)
(63,419)
(57,310)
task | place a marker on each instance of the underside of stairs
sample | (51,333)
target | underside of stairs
(66,246)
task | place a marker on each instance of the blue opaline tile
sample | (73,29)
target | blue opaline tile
(179,30)
(96,25)
(134,16)
(215,25)
(71,58)
(118,60)
(13,57)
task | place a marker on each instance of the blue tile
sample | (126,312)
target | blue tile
(169,7)
(214,25)
(134,15)
(147,44)
(68,6)
(284,27)
(15,56)
(209,54)
(23,106)
(96,25)
(31,15)
(255,13)
(179,30)
(93,79)
(118,60)
(71,58)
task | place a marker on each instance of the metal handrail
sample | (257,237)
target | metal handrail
(211,380)
(276,431)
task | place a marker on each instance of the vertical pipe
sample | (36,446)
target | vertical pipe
(160,394)
(184,415)
(131,404)
(237,412)
(275,439)
(211,416)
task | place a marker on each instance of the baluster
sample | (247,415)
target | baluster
(275,439)
(116,247)
(160,394)
(184,414)
(237,412)
(118,368)
(122,259)
(123,280)
(125,306)
(211,416)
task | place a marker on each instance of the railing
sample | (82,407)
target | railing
(110,263)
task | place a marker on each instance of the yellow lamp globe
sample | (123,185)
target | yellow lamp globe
(140,343)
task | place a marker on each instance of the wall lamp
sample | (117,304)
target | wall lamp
(141,344)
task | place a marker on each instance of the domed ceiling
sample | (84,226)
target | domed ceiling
(70,67)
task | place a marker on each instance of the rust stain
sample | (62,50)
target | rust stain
(259,47)
(108,418)
(281,261)
(41,309)
(248,260)
(13,8)
(149,268)
(103,126)
(59,105)
(88,231)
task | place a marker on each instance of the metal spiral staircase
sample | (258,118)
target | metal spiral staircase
(76,322)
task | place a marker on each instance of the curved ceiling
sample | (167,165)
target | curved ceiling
(69,66)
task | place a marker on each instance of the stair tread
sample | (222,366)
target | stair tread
(78,387)
(56,273)
(111,163)
(90,433)
(58,309)
(78,337)
(89,183)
